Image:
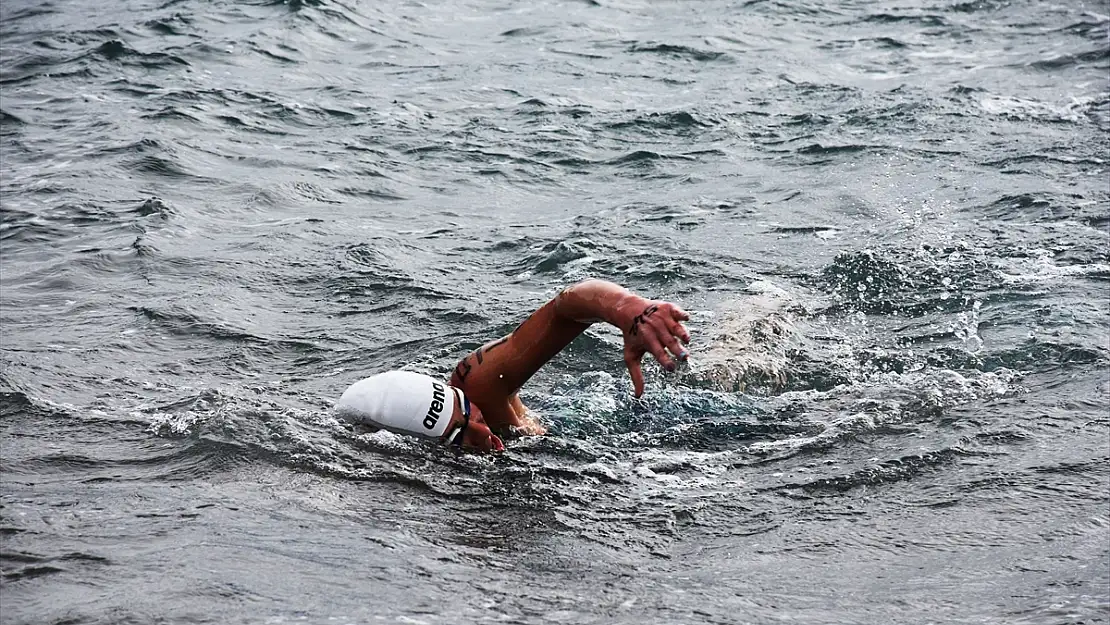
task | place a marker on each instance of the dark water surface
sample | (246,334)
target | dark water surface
(888,218)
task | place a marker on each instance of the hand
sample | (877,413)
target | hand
(528,426)
(478,437)
(656,328)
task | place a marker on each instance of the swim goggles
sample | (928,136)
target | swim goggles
(455,439)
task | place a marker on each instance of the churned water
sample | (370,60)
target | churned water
(888,218)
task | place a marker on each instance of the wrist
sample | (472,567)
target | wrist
(625,310)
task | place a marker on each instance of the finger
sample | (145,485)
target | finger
(667,336)
(676,349)
(476,441)
(677,329)
(678,314)
(637,374)
(495,443)
(479,437)
(656,349)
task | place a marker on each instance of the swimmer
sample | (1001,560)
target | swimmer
(482,396)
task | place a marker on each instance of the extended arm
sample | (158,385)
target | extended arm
(491,374)
(648,326)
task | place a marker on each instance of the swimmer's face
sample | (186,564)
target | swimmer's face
(477,435)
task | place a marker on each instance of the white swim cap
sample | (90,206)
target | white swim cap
(400,401)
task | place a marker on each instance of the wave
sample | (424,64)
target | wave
(675,120)
(22,565)
(885,472)
(884,282)
(1099,57)
(680,51)
(1027,109)
(932,21)
(117,50)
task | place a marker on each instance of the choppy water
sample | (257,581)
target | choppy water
(889,219)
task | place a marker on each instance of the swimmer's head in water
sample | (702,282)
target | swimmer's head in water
(412,403)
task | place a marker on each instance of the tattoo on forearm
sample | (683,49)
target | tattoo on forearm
(464,367)
(521,325)
(642,318)
(478,352)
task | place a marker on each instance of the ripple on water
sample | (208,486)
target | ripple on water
(893,244)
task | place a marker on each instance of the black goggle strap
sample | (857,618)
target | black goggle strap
(456,437)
